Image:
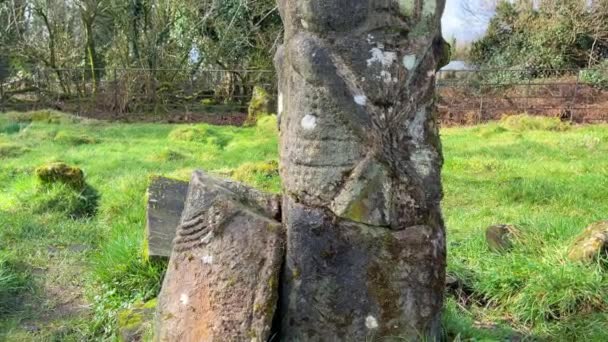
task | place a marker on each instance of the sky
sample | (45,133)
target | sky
(457,23)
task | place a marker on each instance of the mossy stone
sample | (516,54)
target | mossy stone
(500,237)
(260,104)
(136,322)
(591,243)
(61,173)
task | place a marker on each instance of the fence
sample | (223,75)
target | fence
(463,97)
(473,96)
(120,93)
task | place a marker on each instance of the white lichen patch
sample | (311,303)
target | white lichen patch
(415,128)
(384,58)
(409,62)
(304,24)
(407,6)
(183,298)
(387,77)
(361,100)
(429,8)
(309,122)
(423,159)
(371,322)
(280,103)
(207,259)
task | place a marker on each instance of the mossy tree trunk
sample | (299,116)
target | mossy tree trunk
(360,162)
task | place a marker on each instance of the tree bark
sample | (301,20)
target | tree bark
(360,163)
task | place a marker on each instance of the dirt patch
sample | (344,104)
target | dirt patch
(59,291)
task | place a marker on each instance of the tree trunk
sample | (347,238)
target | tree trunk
(360,163)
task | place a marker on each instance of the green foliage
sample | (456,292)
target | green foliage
(553,35)
(597,77)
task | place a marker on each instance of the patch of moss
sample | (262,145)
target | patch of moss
(70,139)
(267,125)
(61,173)
(136,322)
(45,116)
(11,151)
(169,155)
(200,133)
(525,122)
(259,105)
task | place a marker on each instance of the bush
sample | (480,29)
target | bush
(597,77)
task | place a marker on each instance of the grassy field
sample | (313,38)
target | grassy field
(65,276)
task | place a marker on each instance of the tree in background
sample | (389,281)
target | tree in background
(546,34)
(91,35)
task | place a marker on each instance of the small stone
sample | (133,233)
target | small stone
(61,173)
(500,237)
(591,243)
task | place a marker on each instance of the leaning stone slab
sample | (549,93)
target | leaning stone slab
(222,278)
(166,199)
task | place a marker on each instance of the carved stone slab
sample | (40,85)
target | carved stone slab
(222,279)
(166,199)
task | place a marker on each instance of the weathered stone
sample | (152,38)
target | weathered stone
(260,104)
(166,199)
(591,243)
(223,275)
(61,173)
(350,282)
(360,168)
(500,237)
(134,324)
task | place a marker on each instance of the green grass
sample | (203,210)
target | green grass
(548,179)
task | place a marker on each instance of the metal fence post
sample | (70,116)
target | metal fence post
(115,83)
(574,96)
(2,109)
(38,87)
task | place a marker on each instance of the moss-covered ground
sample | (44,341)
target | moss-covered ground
(65,277)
